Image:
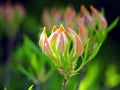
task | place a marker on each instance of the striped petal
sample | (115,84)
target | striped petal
(49,52)
(62,42)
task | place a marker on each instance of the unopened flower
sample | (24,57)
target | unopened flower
(9,12)
(69,17)
(102,23)
(56,13)
(83,33)
(46,18)
(63,47)
(85,13)
(20,9)
(11,17)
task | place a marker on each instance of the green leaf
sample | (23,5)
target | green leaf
(86,50)
(31,45)
(113,24)
(5,88)
(94,53)
(30,88)
(28,74)
(103,11)
(34,62)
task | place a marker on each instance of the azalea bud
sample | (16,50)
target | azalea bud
(83,33)
(46,18)
(78,46)
(9,12)
(57,47)
(20,9)
(70,16)
(56,15)
(77,43)
(62,41)
(86,14)
(101,19)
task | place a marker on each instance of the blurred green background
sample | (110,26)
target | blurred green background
(22,62)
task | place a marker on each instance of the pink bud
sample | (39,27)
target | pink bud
(83,33)
(62,42)
(78,46)
(69,17)
(86,14)
(56,15)
(100,17)
(21,10)
(49,52)
(9,12)
(55,33)
(46,48)
(46,18)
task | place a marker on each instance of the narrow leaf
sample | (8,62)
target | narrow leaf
(30,88)
(113,24)
(86,50)
(5,88)
(34,62)
(94,53)
(28,74)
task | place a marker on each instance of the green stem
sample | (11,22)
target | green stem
(37,86)
(8,64)
(64,84)
(81,66)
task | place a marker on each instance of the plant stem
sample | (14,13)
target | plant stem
(81,77)
(37,86)
(64,84)
(8,64)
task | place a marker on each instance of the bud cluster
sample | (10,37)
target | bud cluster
(11,17)
(64,45)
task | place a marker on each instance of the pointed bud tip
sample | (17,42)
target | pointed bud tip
(84,11)
(44,30)
(42,37)
(83,8)
(54,28)
(93,9)
(81,26)
(62,28)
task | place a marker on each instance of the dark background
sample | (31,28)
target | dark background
(112,9)
(109,52)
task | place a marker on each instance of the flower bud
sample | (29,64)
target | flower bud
(86,14)
(101,19)
(46,18)
(9,12)
(83,33)
(62,42)
(57,47)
